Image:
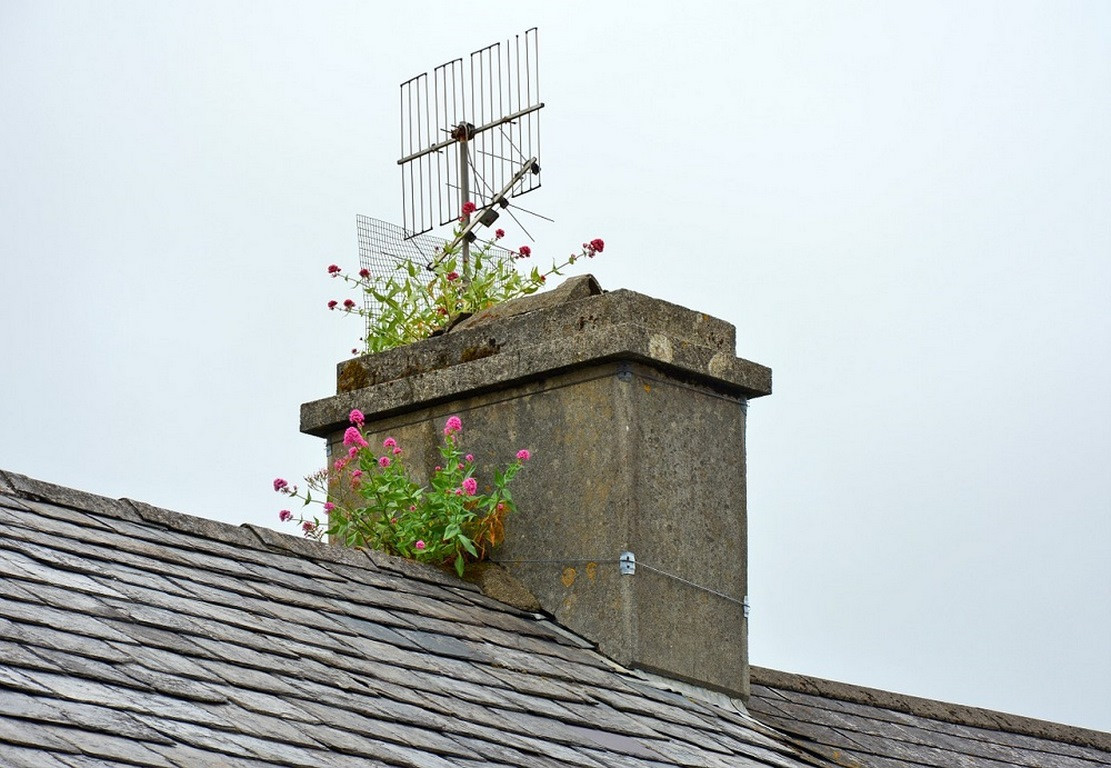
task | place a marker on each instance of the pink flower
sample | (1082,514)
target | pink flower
(348,304)
(333,269)
(452,425)
(364,273)
(356,474)
(452,275)
(438,468)
(340,464)
(597,245)
(389,442)
(308,527)
(499,234)
(459,466)
(470,486)
(353,451)
(354,438)
(525,251)
(468,208)
(329,506)
(280,485)
(285,515)
(524,455)
(420,544)
(356,417)
(332,304)
(469,457)
(384,462)
(397,451)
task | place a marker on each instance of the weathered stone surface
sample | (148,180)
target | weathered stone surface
(621,325)
(634,410)
(496,582)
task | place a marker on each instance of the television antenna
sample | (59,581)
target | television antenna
(481,126)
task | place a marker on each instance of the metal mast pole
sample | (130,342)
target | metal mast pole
(465,194)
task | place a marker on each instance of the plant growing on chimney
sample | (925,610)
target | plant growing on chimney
(418,301)
(449,520)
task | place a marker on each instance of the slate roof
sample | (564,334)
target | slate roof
(856,726)
(131,635)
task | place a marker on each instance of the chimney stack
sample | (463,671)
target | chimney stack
(634,411)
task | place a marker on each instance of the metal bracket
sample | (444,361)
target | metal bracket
(745,606)
(627,563)
(624,372)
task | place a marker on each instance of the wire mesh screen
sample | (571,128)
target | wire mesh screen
(383,247)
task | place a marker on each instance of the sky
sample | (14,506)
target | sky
(903,208)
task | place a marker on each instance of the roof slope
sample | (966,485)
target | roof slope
(130,635)
(857,726)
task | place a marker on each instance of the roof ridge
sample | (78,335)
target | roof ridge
(245,534)
(948,712)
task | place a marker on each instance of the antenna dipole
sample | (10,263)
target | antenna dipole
(490,116)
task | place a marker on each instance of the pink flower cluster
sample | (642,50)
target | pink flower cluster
(469,208)
(354,439)
(334,270)
(470,486)
(453,425)
(524,252)
(524,455)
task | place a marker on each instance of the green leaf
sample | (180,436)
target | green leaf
(459,565)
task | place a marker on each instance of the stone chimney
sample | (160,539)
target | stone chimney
(634,411)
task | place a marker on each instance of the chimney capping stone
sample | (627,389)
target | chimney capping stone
(535,337)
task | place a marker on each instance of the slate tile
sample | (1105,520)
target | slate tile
(13,679)
(12,756)
(446,645)
(175,685)
(278,592)
(135,612)
(26,733)
(64,599)
(58,640)
(613,760)
(24,560)
(338,709)
(27,613)
(635,704)
(187,756)
(47,709)
(269,704)
(155,637)
(78,666)
(373,630)
(538,685)
(106,746)
(251,679)
(156,659)
(502,754)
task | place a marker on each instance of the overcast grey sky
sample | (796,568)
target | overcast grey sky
(904,208)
